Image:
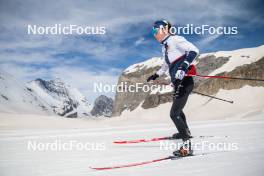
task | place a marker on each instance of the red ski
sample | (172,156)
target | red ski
(158,139)
(136,164)
(143,140)
(147,162)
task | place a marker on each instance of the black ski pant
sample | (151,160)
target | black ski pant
(179,101)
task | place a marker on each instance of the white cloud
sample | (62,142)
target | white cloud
(207,41)
(18,50)
(24,73)
(117,16)
(139,41)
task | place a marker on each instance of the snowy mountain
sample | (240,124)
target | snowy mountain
(63,99)
(16,97)
(246,62)
(103,106)
(41,97)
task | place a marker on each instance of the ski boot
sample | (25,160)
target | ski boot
(185,149)
(179,136)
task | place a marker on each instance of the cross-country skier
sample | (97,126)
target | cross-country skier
(178,54)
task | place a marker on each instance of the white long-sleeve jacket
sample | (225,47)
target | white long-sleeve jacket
(177,46)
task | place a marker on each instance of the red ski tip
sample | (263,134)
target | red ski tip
(131,165)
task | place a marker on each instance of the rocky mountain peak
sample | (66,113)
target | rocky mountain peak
(103,106)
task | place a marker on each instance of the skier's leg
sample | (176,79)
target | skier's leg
(178,104)
(186,125)
(184,119)
(178,135)
(176,117)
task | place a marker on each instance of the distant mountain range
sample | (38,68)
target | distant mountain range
(51,97)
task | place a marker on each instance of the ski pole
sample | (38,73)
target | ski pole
(164,83)
(228,101)
(226,77)
(213,97)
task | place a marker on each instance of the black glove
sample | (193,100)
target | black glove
(153,77)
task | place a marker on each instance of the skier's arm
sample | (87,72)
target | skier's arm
(190,56)
(163,68)
(160,72)
(191,53)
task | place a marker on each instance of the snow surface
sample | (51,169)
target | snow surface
(240,124)
(246,134)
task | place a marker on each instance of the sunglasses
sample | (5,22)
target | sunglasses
(154,31)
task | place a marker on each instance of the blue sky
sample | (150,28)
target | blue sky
(81,60)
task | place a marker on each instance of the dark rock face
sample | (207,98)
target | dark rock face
(103,106)
(131,100)
(55,87)
(73,115)
(254,70)
(208,64)
(154,100)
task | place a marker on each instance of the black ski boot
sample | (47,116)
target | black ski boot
(185,149)
(179,136)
